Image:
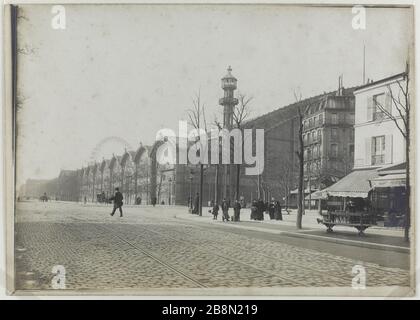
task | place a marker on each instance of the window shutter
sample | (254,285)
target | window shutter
(388,103)
(368,151)
(369,108)
(388,148)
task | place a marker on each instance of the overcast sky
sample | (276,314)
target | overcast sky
(117,74)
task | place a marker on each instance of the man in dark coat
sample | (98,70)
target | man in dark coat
(272,208)
(236,210)
(118,202)
(154,201)
(254,210)
(261,209)
(196,203)
(215,211)
(277,212)
(225,210)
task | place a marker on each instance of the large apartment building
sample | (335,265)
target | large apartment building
(328,137)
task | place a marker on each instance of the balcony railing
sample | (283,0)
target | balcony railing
(228,100)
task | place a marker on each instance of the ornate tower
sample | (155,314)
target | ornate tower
(228,101)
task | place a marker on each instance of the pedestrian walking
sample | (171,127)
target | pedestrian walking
(118,202)
(225,210)
(236,211)
(154,201)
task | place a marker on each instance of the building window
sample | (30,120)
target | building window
(310,123)
(351,150)
(319,134)
(378,106)
(334,118)
(304,124)
(313,136)
(334,133)
(378,150)
(320,119)
(334,150)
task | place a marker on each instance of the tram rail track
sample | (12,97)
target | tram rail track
(153,257)
(300,283)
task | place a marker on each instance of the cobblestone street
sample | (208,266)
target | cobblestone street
(150,248)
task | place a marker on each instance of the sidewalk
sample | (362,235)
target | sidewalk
(375,237)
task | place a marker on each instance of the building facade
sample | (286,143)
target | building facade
(378,178)
(378,140)
(328,136)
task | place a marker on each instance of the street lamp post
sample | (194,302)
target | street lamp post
(191,180)
(170,187)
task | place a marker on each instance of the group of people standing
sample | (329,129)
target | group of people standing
(225,210)
(273,208)
(258,207)
(224,206)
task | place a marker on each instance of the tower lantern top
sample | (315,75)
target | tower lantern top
(229,81)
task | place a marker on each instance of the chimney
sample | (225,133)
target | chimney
(340,85)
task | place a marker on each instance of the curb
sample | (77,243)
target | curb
(370,245)
(361,244)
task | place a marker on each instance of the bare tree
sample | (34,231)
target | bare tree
(400,102)
(300,155)
(286,177)
(219,126)
(197,119)
(240,115)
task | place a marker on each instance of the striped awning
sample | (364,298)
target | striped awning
(357,184)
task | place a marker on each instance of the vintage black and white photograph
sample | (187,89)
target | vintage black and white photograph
(211,149)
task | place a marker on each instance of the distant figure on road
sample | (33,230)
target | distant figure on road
(215,211)
(44,197)
(154,201)
(272,208)
(138,200)
(254,210)
(261,209)
(196,203)
(118,202)
(236,211)
(85,200)
(277,212)
(225,210)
